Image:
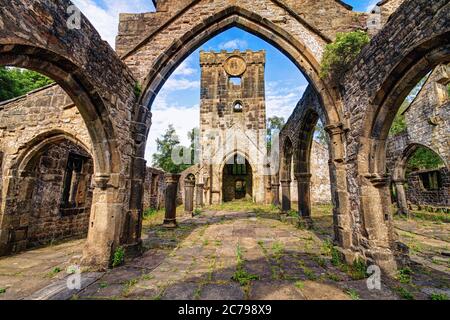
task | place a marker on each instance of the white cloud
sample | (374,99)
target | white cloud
(173,84)
(234,45)
(106,18)
(281,99)
(371,4)
(183,119)
(184,69)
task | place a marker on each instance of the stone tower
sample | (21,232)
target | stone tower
(232,125)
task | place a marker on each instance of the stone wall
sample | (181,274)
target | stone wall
(318,164)
(428,116)
(412,43)
(154,187)
(38,131)
(232,118)
(35,35)
(48,218)
(427,120)
(320,179)
(419,196)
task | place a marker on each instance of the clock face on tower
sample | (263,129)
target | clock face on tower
(235,66)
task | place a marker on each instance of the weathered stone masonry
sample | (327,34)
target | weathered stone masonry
(49,118)
(34,35)
(427,119)
(413,42)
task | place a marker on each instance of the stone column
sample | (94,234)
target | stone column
(170,220)
(342,217)
(189,186)
(268,190)
(199,195)
(276,194)
(106,219)
(304,196)
(401,197)
(286,196)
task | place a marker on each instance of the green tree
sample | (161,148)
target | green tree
(424,159)
(15,82)
(273,124)
(163,158)
(340,54)
(321,135)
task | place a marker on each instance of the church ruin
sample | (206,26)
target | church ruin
(86,135)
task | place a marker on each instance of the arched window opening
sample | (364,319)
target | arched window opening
(237,81)
(238,107)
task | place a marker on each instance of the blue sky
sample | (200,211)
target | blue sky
(178,101)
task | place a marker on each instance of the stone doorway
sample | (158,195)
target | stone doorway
(237,179)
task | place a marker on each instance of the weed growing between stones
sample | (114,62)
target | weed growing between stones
(404,275)
(119,257)
(241,275)
(354,295)
(439,296)
(404,293)
(54,272)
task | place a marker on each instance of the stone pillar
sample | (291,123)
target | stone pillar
(276,194)
(170,220)
(189,187)
(268,190)
(106,219)
(376,210)
(286,196)
(401,197)
(199,195)
(304,196)
(342,217)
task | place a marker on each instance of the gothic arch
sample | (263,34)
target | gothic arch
(20,180)
(34,34)
(224,163)
(235,16)
(399,173)
(90,104)
(374,93)
(287,159)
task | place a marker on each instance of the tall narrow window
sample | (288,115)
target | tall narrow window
(236,81)
(72,180)
(431,180)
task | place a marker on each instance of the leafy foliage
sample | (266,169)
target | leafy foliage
(424,159)
(273,124)
(321,135)
(119,257)
(163,158)
(15,82)
(339,54)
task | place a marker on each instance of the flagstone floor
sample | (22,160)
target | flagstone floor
(239,255)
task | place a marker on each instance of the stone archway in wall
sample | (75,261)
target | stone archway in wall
(163,54)
(375,93)
(246,175)
(436,194)
(49,192)
(101,87)
(162,51)
(237,179)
